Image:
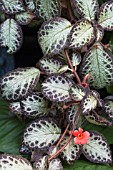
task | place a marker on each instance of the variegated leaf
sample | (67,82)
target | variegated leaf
(97,149)
(19,82)
(24,150)
(16,108)
(47,9)
(96,119)
(53,35)
(55,164)
(87,8)
(41,164)
(82,34)
(76,58)
(71,113)
(41,133)
(56,88)
(11,35)
(24,18)
(105,18)
(30,4)
(77,92)
(99,62)
(108,106)
(71,152)
(12,6)
(99,33)
(8,162)
(34,105)
(88,103)
(50,65)
(97,96)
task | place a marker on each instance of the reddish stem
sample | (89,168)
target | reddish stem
(62,135)
(61,149)
(75,73)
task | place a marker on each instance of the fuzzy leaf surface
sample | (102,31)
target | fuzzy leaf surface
(105,18)
(56,88)
(30,5)
(47,9)
(41,133)
(71,151)
(55,164)
(99,33)
(24,18)
(82,34)
(87,9)
(14,163)
(77,92)
(11,35)
(17,83)
(50,65)
(99,62)
(109,108)
(53,35)
(41,164)
(97,150)
(34,105)
(12,6)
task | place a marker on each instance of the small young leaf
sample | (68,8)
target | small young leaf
(59,28)
(71,114)
(47,9)
(17,83)
(97,149)
(24,18)
(96,119)
(30,5)
(71,152)
(41,133)
(11,35)
(108,106)
(12,6)
(99,62)
(41,164)
(14,163)
(87,9)
(99,33)
(82,34)
(105,18)
(15,107)
(76,58)
(77,92)
(55,164)
(34,105)
(56,88)
(88,103)
(50,65)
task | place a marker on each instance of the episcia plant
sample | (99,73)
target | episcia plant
(58,97)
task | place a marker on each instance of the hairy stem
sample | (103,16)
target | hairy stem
(75,73)
(61,149)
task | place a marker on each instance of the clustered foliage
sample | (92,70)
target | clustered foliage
(61,93)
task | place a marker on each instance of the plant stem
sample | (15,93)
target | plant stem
(75,73)
(62,136)
(61,149)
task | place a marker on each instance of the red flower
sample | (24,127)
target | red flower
(80,136)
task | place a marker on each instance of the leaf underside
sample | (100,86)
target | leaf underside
(53,35)
(34,105)
(97,150)
(56,88)
(11,35)
(82,34)
(50,65)
(102,70)
(47,9)
(105,18)
(12,6)
(14,163)
(87,9)
(41,133)
(71,152)
(18,83)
